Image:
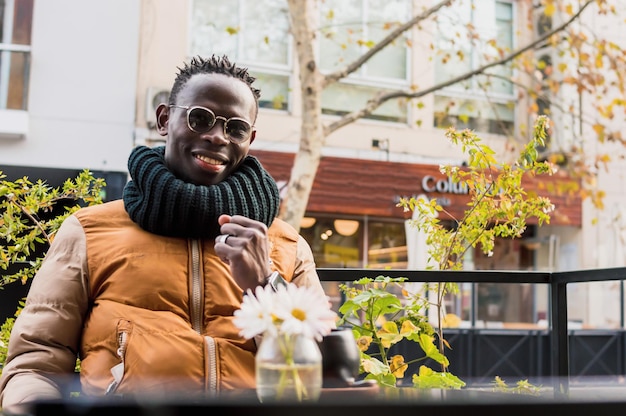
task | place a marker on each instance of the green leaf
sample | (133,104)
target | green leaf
(430,349)
(373,366)
(427,378)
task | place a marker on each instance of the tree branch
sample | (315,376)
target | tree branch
(382,97)
(393,35)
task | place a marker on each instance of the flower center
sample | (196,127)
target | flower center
(298,314)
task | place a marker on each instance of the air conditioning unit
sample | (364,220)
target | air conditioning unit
(154,97)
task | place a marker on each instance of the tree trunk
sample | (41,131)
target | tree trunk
(303,15)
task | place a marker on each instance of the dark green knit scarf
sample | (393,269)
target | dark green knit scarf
(163,204)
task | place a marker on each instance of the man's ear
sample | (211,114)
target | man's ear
(162,118)
(252,136)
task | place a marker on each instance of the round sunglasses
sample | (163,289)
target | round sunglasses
(201,120)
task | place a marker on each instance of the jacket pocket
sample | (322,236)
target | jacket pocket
(123,331)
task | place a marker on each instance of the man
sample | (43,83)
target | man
(143,289)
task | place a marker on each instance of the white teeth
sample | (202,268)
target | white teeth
(209,160)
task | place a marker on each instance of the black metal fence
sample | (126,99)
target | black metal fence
(479,354)
(558,353)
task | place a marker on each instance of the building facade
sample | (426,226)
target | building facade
(82,94)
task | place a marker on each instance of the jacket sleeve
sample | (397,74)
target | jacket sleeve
(305,273)
(43,345)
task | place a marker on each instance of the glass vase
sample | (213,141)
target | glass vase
(288,368)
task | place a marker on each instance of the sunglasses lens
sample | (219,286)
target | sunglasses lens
(238,130)
(201,120)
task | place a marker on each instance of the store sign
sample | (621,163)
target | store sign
(363,187)
(431,184)
(444,186)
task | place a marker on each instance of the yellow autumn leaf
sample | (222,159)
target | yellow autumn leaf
(389,327)
(397,366)
(619,101)
(550,9)
(408,327)
(451,320)
(364,342)
(388,334)
(562,67)
(599,61)
(598,128)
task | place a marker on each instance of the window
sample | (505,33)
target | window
(15,31)
(356,242)
(253,34)
(483,103)
(256,34)
(348,28)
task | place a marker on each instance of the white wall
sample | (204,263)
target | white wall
(82,88)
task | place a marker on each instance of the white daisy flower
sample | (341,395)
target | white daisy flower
(256,313)
(305,311)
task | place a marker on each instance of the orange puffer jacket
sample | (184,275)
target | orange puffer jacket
(148,314)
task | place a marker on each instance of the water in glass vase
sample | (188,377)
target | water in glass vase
(284,382)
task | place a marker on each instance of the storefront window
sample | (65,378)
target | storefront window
(364,242)
(499,303)
(335,242)
(386,245)
(342,242)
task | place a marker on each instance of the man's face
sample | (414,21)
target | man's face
(206,158)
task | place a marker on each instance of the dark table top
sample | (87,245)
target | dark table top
(597,400)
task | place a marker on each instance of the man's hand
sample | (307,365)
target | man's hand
(245,250)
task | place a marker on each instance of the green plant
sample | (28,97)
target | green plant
(521,387)
(382,312)
(30,215)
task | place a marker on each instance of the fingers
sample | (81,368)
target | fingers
(243,244)
(239,226)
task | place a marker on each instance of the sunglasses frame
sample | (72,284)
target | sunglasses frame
(216,117)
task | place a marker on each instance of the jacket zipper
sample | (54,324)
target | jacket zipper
(197,302)
(196,296)
(118,370)
(211,365)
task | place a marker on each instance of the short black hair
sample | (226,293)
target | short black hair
(213,65)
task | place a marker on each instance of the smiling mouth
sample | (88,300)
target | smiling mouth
(210,161)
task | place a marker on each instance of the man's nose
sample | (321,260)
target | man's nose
(216,133)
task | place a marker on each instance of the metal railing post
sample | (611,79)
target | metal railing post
(559,336)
